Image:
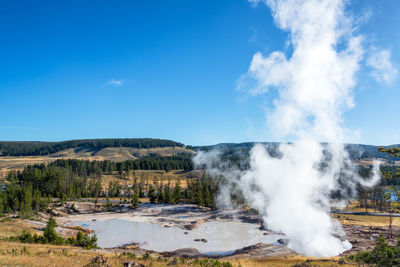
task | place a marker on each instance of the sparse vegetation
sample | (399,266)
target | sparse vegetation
(50,236)
(381,255)
(205,262)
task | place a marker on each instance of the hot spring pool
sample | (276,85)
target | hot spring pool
(223,237)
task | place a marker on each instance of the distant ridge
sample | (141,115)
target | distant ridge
(36,148)
(41,148)
(356,151)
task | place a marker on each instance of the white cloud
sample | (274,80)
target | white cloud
(114,82)
(382,68)
(11,127)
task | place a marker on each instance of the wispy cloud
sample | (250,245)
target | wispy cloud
(10,127)
(115,82)
(382,68)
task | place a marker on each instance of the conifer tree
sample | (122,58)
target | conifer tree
(198,194)
(152,194)
(160,194)
(135,199)
(108,204)
(177,191)
(167,193)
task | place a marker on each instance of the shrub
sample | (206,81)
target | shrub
(50,236)
(381,255)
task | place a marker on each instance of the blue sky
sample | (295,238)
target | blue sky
(163,69)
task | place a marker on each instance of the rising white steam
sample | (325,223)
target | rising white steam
(315,83)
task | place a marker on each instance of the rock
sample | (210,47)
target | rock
(200,239)
(175,261)
(263,250)
(98,261)
(283,241)
(204,240)
(191,226)
(132,264)
(182,253)
(186,233)
(54,213)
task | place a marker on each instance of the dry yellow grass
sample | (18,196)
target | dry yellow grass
(18,254)
(11,227)
(377,221)
(151,176)
(48,255)
(286,262)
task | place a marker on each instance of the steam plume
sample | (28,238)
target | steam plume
(315,85)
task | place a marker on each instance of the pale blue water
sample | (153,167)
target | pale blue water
(222,237)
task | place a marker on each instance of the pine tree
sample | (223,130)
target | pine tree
(207,197)
(167,193)
(63,199)
(97,189)
(108,204)
(198,194)
(25,209)
(135,199)
(50,235)
(160,194)
(177,192)
(37,201)
(152,195)
(141,186)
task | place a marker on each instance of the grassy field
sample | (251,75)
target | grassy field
(18,254)
(151,176)
(364,220)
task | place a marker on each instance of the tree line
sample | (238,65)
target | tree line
(14,148)
(95,168)
(385,196)
(201,191)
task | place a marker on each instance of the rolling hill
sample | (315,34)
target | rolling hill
(16,155)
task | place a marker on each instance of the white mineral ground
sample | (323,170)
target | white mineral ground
(188,218)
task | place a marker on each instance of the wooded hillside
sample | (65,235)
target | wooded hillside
(15,148)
